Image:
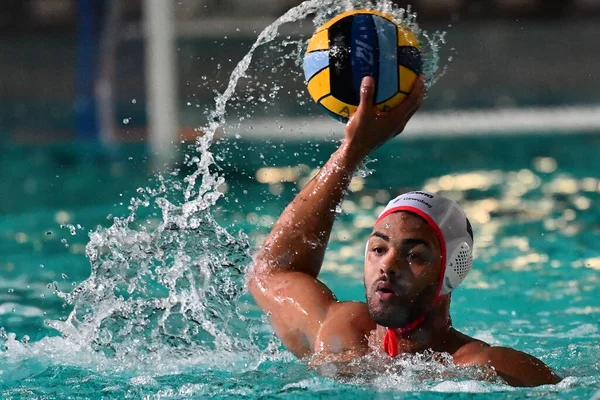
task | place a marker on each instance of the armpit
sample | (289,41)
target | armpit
(346,329)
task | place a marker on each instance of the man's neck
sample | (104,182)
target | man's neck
(432,333)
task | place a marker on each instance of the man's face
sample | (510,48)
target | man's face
(402,269)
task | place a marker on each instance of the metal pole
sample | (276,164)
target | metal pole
(105,84)
(87,45)
(161,88)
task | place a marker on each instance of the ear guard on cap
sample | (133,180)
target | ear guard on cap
(457,268)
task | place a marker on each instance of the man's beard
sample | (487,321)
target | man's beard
(400,313)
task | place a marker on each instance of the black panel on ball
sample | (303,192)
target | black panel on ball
(410,57)
(340,66)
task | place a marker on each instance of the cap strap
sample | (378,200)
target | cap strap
(390,341)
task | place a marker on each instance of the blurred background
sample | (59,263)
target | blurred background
(78,68)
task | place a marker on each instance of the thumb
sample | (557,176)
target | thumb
(367,92)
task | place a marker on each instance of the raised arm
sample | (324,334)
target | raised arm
(284,278)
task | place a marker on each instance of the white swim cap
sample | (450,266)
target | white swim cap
(452,228)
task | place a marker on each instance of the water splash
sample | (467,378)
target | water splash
(253,96)
(407,371)
(171,285)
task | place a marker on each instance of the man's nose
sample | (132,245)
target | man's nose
(390,265)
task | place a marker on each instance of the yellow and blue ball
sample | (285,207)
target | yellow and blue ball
(356,44)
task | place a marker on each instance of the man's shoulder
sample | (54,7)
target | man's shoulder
(478,352)
(466,348)
(351,313)
(346,327)
(350,308)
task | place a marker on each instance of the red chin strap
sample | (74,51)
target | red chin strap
(390,341)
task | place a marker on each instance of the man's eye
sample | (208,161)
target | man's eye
(378,250)
(414,256)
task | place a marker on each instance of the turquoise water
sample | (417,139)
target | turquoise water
(121,284)
(150,322)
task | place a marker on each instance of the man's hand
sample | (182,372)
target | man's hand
(369,128)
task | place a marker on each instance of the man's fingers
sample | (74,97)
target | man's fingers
(367,93)
(392,122)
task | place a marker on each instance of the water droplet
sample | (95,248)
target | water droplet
(133,101)
(125,121)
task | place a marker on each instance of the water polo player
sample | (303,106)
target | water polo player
(418,252)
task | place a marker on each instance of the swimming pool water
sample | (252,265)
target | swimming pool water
(533,201)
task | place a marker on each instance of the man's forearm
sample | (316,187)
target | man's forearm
(299,238)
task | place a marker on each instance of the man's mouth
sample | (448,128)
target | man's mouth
(385,291)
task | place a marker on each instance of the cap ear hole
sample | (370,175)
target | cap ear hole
(463,262)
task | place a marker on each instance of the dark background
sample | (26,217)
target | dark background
(505,53)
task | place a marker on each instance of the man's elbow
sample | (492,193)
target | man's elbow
(255,279)
(259,281)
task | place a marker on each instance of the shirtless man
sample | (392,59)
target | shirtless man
(419,250)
